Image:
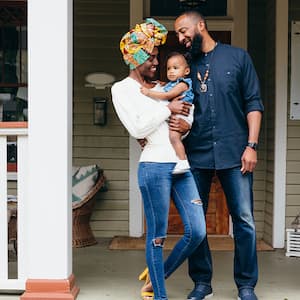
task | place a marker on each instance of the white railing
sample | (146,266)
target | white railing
(6,282)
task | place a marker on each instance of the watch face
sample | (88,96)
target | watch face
(252,145)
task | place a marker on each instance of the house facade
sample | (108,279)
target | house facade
(82,37)
(261,27)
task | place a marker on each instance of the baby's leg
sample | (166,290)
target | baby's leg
(182,165)
(175,138)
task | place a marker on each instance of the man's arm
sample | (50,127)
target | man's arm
(179,125)
(249,157)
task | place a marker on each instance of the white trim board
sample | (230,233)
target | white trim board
(281,79)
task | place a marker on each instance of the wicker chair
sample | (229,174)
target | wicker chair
(12,229)
(82,211)
(82,232)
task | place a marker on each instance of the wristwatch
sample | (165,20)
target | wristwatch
(252,145)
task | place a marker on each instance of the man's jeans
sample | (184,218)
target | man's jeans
(239,195)
(157,184)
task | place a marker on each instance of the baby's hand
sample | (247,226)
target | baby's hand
(144,91)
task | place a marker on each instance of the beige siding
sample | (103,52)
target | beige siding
(269,116)
(256,42)
(98,26)
(293,147)
(261,43)
(12,187)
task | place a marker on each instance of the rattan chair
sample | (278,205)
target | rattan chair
(82,233)
(82,211)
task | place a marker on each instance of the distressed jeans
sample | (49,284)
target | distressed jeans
(239,195)
(157,184)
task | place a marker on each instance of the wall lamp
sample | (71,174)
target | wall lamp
(100,111)
(100,81)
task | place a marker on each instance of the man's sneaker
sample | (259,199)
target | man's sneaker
(181,167)
(200,292)
(246,294)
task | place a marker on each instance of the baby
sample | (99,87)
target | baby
(177,71)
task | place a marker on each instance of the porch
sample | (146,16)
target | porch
(112,274)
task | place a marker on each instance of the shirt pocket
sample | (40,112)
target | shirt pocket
(228,80)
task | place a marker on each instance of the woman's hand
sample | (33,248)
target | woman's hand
(179,107)
(145,91)
(142,142)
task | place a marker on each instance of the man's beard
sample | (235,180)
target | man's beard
(196,48)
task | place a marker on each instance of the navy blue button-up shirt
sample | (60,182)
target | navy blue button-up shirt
(219,134)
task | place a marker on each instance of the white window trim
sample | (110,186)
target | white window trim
(281,79)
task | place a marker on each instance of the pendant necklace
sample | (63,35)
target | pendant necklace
(203,84)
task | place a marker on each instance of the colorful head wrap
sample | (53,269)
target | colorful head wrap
(137,44)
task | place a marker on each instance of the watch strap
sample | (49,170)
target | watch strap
(252,145)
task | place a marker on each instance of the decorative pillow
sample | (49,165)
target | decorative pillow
(83,179)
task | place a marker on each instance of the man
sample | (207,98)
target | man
(223,139)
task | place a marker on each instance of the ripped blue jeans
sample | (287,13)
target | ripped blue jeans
(157,183)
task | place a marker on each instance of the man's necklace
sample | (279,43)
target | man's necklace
(203,84)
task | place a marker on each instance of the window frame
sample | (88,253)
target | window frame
(21,25)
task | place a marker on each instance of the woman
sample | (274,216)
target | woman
(146,118)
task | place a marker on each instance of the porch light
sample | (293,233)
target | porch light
(191,4)
(100,111)
(100,81)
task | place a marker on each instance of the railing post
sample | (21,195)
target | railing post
(3,210)
(22,148)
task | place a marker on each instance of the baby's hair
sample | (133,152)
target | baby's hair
(176,53)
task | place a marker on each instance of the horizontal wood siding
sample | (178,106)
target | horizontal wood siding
(269,116)
(293,146)
(256,42)
(98,27)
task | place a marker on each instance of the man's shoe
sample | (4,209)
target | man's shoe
(200,292)
(246,294)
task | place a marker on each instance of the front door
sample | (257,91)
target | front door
(217,217)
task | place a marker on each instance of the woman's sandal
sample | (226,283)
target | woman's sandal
(146,295)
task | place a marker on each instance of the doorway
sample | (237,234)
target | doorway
(217,217)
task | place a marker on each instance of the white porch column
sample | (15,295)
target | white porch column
(49,228)
(281,78)
(136,220)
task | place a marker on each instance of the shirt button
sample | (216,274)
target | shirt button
(212,110)
(210,95)
(214,127)
(215,143)
(208,79)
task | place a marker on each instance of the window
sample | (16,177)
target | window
(13,71)
(13,61)
(173,8)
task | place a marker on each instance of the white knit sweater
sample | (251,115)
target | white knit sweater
(144,117)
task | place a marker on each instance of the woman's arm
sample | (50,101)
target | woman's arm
(140,115)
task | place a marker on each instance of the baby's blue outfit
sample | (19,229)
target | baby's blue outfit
(188,94)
